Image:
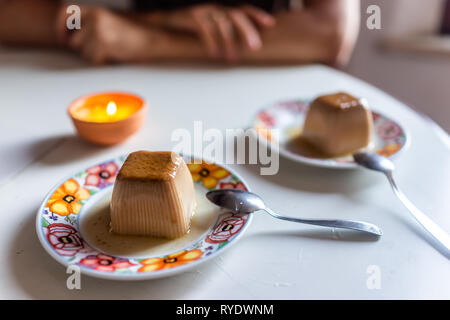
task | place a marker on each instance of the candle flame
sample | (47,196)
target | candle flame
(111,108)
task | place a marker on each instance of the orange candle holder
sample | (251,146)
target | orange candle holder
(107,118)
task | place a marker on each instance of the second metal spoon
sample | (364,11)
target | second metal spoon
(379,163)
(244,201)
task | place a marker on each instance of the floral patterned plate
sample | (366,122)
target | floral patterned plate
(388,137)
(58,230)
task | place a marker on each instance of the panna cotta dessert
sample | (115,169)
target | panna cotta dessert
(153,196)
(338,124)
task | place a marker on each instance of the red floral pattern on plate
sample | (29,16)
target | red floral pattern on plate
(228,225)
(266,118)
(388,130)
(64,239)
(103,262)
(231,185)
(101,175)
(294,106)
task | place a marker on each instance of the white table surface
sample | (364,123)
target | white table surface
(274,259)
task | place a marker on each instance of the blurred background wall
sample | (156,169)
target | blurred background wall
(415,65)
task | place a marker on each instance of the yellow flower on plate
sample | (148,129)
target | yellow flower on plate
(209,174)
(264,132)
(389,149)
(172,260)
(66,198)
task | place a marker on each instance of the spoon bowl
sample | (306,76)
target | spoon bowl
(236,200)
(374,161)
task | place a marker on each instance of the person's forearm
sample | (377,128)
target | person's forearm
(306,36)
(28,22)
(301,36)
(285,48)
(324,31)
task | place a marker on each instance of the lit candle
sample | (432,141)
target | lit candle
(111,108)
(107,118)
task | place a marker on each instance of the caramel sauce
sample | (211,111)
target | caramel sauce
(299,145)
(95,229)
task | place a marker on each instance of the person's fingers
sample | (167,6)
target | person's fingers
(261,17)
(226,32)
(249,34)
(207,32)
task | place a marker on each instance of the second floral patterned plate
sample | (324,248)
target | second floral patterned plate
(287,117)
(58,225)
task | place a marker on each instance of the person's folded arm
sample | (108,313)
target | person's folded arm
(323,31)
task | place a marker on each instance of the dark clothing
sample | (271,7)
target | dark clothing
(445,28)
(150,5)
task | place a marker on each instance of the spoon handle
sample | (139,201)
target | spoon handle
(429,225)
(343,224)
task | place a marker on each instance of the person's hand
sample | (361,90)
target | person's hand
(223,30)
(107,37)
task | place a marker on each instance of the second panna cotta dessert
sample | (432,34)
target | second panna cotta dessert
(338,124)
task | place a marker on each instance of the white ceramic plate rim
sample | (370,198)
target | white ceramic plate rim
(136,276)
(319,162)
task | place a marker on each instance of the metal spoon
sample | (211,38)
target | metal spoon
(244,201)
(382,164)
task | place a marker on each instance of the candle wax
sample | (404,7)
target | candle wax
(98,113)
(107,108)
